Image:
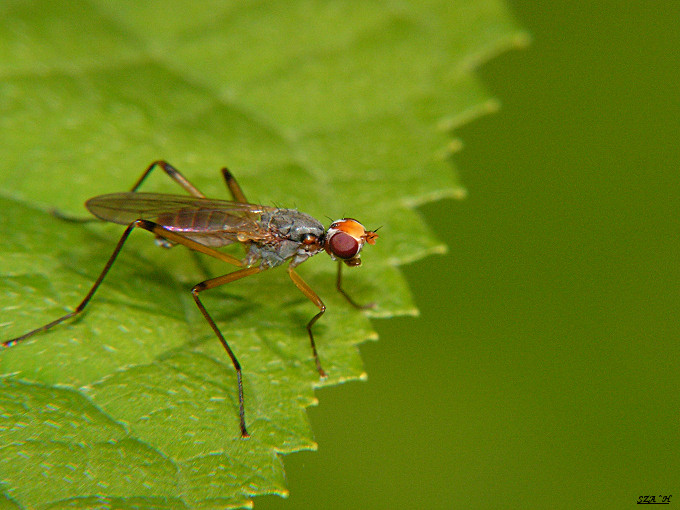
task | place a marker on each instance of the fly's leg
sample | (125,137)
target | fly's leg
(312,296)
(211,284)
(237,194)
(234,188)
(176,176)
(78,309)
(146,225)
(338,285)
(173,173)
(164,241)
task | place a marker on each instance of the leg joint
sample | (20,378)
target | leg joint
(145,224)
(199,287)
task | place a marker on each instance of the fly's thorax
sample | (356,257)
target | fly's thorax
(293,235)
(291,224)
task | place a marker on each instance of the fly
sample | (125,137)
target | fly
(270,235)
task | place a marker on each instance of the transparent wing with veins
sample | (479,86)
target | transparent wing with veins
(208,221)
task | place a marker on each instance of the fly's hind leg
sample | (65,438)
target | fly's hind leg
(173,237)
(143,224)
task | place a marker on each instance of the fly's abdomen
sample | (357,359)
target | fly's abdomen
(208,227)
(196,220)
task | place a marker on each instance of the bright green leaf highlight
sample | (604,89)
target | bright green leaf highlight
(338,108)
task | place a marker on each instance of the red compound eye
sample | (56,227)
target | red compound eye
(343,245)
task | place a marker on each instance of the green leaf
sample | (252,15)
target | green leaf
(338,108)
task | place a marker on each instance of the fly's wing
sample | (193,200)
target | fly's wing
(192,216)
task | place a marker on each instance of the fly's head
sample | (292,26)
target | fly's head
(345,238)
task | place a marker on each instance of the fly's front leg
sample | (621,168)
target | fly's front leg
(211,284)
(338,285)
(314,298)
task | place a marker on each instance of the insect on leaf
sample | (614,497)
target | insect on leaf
(336,108)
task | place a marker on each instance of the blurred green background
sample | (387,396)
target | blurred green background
(543,371)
